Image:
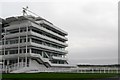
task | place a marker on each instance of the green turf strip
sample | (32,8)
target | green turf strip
(59,75)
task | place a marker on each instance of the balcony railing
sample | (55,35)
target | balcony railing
(47,47)
(14,56)
(13,67)
(59,58)
(34,44)
(16,34)
(15,26)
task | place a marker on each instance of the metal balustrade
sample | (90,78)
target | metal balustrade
(59,58)
(47,47)
(15,26)
(94,70)
(13,67)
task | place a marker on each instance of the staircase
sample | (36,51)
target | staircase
(39,59)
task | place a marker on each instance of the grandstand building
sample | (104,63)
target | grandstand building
(33,44)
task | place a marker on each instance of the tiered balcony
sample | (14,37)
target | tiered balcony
(26,24)
(34,34)
(34,44)
(17,34)
(47,38)
(15,56)
(47,47)
(46,30)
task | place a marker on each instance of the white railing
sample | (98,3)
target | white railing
(47,47)
(13,67)
(16,34)
(95,70)
(15,26)
(14,56)
(58,58)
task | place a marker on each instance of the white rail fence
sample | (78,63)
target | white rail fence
(14,67)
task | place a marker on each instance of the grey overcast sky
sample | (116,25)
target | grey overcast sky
(92,25)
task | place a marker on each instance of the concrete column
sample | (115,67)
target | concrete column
(22,62)
(7,66)
(30,58)
(100,71)
(108,70)
(18,64)
(4,67)
(30,40)
(42,54)
(92,70)
(30,62)
(117,70)
(30,50)
(104,70)
(26,46)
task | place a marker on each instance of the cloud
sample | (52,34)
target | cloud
(91,26)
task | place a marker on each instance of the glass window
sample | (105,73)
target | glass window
(28,50)
(0,52)
(3,43)
(6,42)
(24,50)
(6,52)
(20,50)
(11,42)
(24,40)
(29,29)
(20,60)
(23,60)
(16,41)
(20,40)
(13,51)
(0,43)
(14,31)
(23,30)
(28,39)
(27,62)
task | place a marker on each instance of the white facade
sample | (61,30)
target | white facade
(32,44)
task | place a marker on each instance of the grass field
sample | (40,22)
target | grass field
(57,76)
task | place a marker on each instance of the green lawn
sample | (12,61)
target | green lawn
(58,75)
